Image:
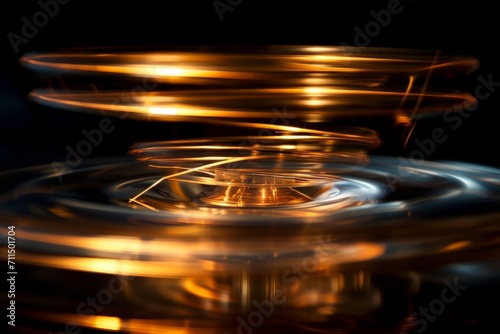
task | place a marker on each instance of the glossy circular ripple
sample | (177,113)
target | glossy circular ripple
(390,205)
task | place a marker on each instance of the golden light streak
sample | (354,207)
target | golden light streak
(214,164)
(190,265)
(199,290)
(107,323)
(402,118)
(162,111)
(133,325)
(419,101)
(219,106)
(244,64)
(127,246)
(61,212)
(455,246)
(175,268)
(169,71)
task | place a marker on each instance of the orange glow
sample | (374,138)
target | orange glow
(455,246)
(107,323)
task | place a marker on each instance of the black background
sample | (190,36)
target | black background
(31,134)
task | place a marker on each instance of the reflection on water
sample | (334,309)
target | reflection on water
(196,266)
